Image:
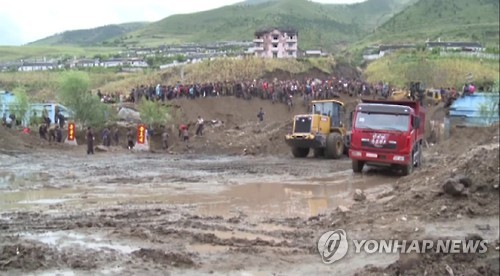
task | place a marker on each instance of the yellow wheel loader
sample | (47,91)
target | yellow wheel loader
(323,131)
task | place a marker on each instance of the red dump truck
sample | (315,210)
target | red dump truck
(387,133)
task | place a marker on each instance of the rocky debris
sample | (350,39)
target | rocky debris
(217,123)
(464,180)
(101,148)
(452,187)
(359,195)
(129,115)
(342,209)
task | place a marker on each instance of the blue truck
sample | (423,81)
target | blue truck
(7,102)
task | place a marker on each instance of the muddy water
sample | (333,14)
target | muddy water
(105,206)
(260,187)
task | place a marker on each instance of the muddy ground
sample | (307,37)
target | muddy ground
(211,210)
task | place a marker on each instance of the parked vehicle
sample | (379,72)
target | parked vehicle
(387,133)
(35,110)
(323,131)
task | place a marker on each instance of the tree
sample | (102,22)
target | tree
(154,114)
(21,104)
(74,93)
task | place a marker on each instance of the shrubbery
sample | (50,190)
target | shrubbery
(74,92)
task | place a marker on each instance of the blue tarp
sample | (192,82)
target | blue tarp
(479,109)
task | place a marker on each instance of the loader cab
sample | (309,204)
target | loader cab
(331,108)
(433,96)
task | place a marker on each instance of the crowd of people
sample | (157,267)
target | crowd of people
(277,91)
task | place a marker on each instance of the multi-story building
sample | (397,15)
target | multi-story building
(276,43)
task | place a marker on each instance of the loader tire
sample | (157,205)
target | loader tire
(334,146)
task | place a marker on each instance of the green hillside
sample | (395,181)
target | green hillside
(469,20)
(319,25)
(370,14)
(89,37)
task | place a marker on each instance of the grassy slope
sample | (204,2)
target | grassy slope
(371,14)
(401,68)
(88,37)
(319,25)
(470,20)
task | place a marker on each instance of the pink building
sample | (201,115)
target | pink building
(276,43)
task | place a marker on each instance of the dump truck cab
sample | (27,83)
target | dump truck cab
(323,130)
(387,133)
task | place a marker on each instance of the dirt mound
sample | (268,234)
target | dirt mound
(340,70)
(463,140)
(424,187)
(12,140)
(346,71)
(439,264)
(236,126)
(284,75)
(26,256)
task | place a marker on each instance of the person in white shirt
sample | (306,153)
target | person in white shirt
(8,122)
(199,130)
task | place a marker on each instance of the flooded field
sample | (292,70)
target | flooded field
(259,187)
(198,208)
(138,213)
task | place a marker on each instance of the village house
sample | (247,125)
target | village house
(314,53)
(84,63)
(455,46)
(37,66)
(387,49)
(276,43)
(114,62)
(10,66)
(376,52)
(137,62)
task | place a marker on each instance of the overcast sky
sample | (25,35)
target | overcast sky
(23,21)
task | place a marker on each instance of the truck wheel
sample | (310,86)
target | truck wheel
(419,156)
(408,169)
(334,146)
(357,166)
(300,152)
(319,152)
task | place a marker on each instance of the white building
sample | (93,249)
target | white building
(276,43)
(37,66)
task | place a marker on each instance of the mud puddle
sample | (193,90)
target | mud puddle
(299,198)
(65,239)
(267,197)
(240,235)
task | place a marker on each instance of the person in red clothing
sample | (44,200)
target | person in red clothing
(182,127)
(472,89)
